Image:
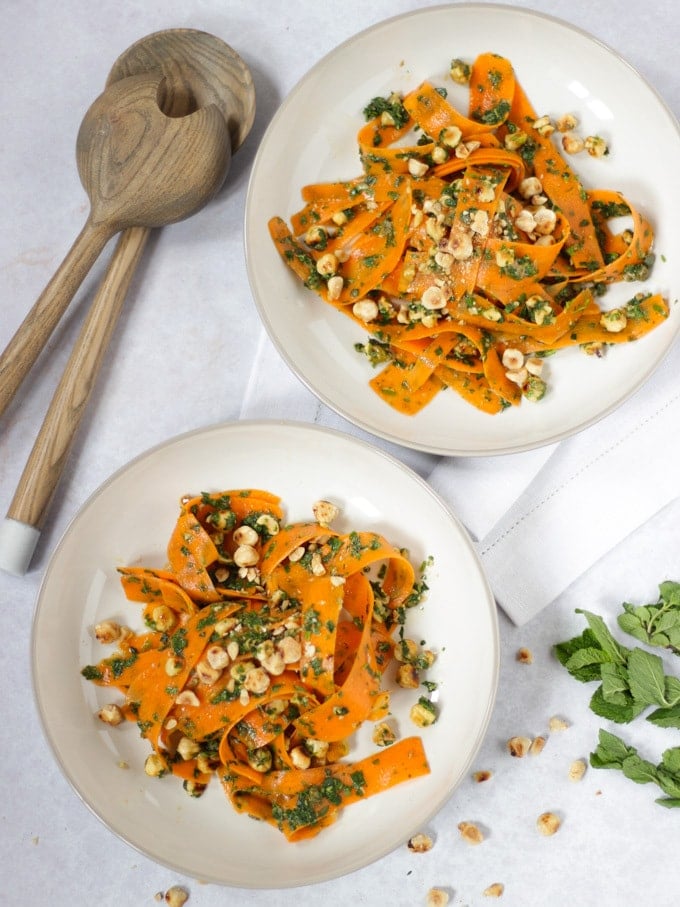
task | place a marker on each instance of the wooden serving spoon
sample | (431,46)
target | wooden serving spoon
(153,149)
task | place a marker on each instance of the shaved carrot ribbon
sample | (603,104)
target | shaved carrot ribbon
(260,675)
(469,234)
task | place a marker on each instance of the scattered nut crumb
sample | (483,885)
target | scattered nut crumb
(494,891)
(518,746)
(596,146)
(383,734)
(558,724)
(436,897)
(577,769)
(470,832)
(548,823)
(176,896)
(482,776)
(35,840)
(566,123)
(537,745)
(525,656)
(111,714)
(572,143)
(325,512)
(420,843)
(123,764)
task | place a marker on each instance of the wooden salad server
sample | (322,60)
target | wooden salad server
(153,149)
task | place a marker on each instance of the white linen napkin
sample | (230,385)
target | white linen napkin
(598,487)
(539,518)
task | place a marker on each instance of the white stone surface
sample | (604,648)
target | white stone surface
(180,359)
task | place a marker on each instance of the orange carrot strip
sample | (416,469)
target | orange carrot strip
(190,552)
(140,666)
(141,584)
(561,185)
(320,604)
(347,783)
(492,89)
(349,706)
(389,385)
(434,114)
(499,158)
(372,256)
(495,374)
(286,541)
(642,316)
(474,389)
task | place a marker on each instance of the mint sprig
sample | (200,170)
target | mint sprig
(656,624)
(631,680)
(614,753)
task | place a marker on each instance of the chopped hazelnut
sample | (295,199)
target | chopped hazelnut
(470,832)
(518,746)
(548,823)
(537,745)
(494,891)
(558,724)
(481,776)
(577,770)
(420,843)
(525,656)
(111,714)
(176,896)
(436,897)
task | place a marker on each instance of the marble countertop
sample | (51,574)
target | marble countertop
(189,317)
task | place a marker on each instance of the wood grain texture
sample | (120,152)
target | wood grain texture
(154,148)
(37,327)
(46,461)
(139,167)
(199,70)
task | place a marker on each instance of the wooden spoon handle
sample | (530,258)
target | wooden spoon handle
(50,450)
(36,328)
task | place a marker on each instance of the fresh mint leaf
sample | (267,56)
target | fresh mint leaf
(614,753)
(670,592)
(618,713)
(615,683)
(668,781)
(666,621)
(584,658)
(670,760)
(665,717)
(611,751)
(672,691)
(632,680)
(646,678)
(632,624)
(604,638)
(656,624)
(639,770)
(564,651)
(668,802)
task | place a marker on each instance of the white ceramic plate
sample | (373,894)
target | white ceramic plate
(312,138)
(129,520)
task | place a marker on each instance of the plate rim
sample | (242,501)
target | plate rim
(226,427)
(295,368)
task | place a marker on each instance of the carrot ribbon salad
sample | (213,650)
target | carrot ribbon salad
(264,650)
(468,248)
